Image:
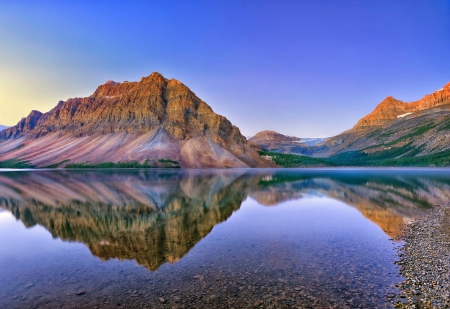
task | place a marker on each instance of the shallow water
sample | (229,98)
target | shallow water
(207,238)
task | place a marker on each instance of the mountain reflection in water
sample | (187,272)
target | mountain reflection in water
(157,216)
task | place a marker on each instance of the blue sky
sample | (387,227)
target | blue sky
(303,68)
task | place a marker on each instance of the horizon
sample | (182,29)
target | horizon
(235,60)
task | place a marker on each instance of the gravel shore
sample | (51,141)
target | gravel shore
(425,261)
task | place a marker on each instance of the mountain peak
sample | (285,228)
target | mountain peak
(391,109)
(390,99)
(35,113)
(111,83)
(269,135)
(155,77)
(267,132)
(446,87)
(154,118)
(174,82)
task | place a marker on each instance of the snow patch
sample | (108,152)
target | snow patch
(311,141)
(108,96)
(403,115)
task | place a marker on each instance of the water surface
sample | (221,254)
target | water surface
(207,238)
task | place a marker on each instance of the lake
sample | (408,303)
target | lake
(236,238)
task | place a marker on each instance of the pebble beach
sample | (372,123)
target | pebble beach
(425,261)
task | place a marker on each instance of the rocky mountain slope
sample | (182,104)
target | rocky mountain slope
(424,133)
(152,119)
(395,131)
(3,128)
(392,109)
(403,129)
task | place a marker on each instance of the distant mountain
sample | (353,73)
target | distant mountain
(3,128)
(277,142)
(153,119)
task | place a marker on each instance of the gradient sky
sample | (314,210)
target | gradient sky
(304,68)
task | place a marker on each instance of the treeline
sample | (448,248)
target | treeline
(133,164)
(292,160)
(401,156)
(166,163)
(160,163)
(13,163)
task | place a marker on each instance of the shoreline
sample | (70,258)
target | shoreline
(425,261)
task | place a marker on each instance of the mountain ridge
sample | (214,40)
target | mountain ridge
(394,133)
(158,119)
(395,124)
(391,109)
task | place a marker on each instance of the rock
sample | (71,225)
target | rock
(80,292)
(161,300)
(425,263)
(29,285)
(25,125)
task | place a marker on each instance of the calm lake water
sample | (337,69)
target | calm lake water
(273,238)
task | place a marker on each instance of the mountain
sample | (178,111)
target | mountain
(395,133)
(392,109)
(274,141)
(396,129)
(153,119)
(277,142)
(3,128)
